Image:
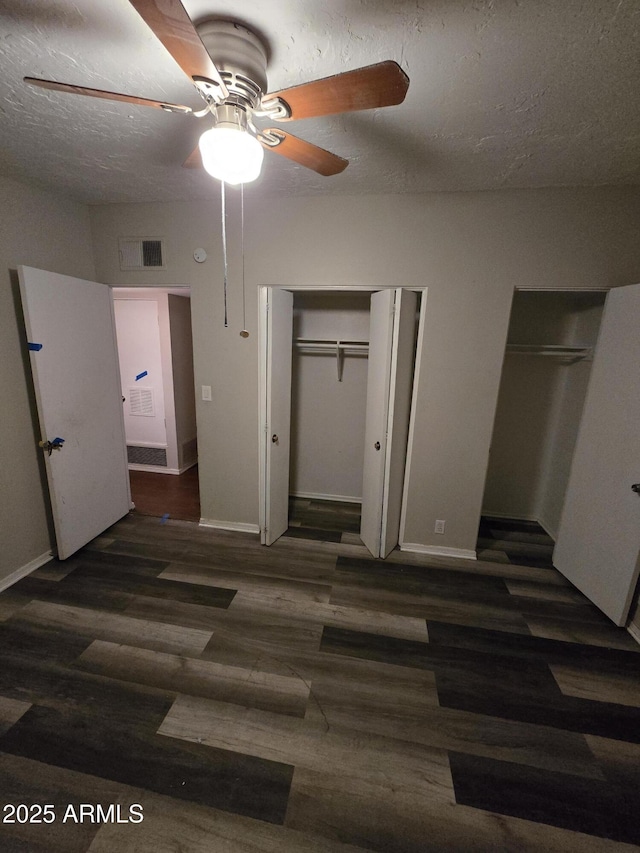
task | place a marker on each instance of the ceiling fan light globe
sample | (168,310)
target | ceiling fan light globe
(231,155)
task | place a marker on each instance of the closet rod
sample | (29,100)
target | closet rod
(337,348)
(564,352)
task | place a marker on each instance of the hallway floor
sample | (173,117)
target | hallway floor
(305,697)
(166,495)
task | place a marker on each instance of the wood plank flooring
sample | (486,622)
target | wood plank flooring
(306,697)
(166,495)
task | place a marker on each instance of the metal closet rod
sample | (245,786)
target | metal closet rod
(332,347)
(566,352)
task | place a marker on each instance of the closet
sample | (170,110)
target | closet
(328,394)
(544,379)
(336,386)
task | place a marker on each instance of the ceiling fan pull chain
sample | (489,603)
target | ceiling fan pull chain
(224,251)
(244,333)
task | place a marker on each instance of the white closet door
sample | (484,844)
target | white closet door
(278,339)
(389,381)
(70,329)
(400,388)
(598,545)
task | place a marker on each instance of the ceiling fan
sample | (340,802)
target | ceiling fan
(227,64)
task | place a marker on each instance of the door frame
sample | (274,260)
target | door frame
(262,381)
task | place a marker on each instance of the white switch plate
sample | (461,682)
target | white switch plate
(439,528)
(206,392)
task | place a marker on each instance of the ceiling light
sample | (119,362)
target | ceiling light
(229,152)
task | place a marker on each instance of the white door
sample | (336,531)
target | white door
(392,335)
(598,544)
(70,329)
(276,344)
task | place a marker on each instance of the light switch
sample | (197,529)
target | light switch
(206,392)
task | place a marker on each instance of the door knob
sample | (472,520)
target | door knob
(274,438)
(636,488)
(377,445)
(50,446)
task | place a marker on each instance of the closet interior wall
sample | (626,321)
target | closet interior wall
(328,413)
(540,404)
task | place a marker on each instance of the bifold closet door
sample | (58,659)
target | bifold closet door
(74,363)
(392,337)
(276,431)
(598,547)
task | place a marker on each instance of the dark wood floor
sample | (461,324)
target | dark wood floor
(166,495)
(305,697)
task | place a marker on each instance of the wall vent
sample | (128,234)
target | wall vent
(137,455)
(141,402)
(141,253)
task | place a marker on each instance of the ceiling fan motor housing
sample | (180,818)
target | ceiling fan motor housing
(240,57)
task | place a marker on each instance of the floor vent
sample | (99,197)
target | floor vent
(141,253)
(147,455)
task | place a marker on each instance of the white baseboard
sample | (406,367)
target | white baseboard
(317,496)
(238,526)
(435,551)
(23,571)
(510,515)
(634,630)
(158,469)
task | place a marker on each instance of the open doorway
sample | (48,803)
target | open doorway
(546,369)
(355,452)
(155,353)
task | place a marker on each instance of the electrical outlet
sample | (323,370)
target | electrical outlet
(206,392)
(439,528)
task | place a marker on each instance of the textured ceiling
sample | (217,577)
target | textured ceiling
(503,94)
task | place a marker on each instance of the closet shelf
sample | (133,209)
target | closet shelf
(332,347)
(562,352)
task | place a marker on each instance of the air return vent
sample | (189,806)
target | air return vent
(141,402)
(137,455)
(141,253)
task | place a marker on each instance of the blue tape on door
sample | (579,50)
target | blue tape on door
(34,347)
(164,518)
(140,375)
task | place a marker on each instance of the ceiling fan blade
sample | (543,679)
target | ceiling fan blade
(174,28)
(305,153)
(194,160)
(381,85)
(109,96)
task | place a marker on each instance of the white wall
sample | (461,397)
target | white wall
(327,415)
(40,230)
(470,249)
(138,333)
(183,381)
(585,313)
